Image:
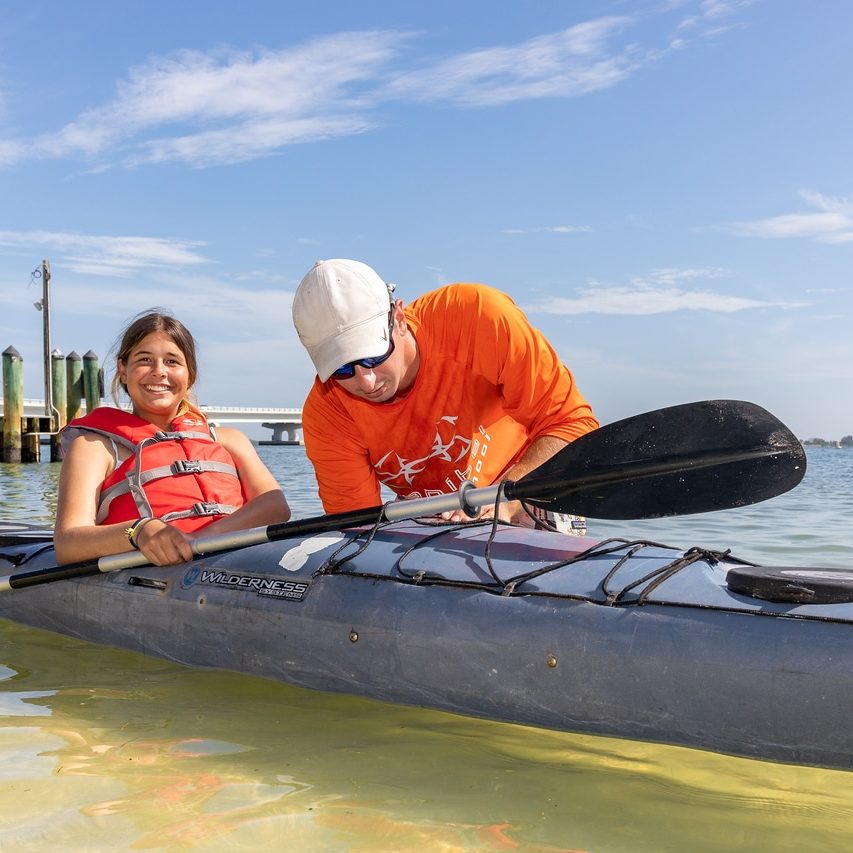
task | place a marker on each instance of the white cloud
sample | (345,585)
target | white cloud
(226,106)
(247,141)
(105,255)
(832,222)
(661,291)
(11,152)
(230,106)
(203,300)
(163,272)
(709,19)
(569,63)
(553,229)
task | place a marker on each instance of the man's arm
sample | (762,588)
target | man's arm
(346,479)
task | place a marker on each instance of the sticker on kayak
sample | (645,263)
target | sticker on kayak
(295,558)
(264,586)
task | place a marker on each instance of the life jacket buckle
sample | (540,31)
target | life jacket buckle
(204,508)
(186,466)
(168,436)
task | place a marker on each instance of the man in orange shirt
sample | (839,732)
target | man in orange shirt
(455,386)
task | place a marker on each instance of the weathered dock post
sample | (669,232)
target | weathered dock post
(73,385)
(13,403)
(30,441)
(91,381)
(57,386)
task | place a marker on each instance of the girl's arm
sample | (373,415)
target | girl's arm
(266,503)
(76,536)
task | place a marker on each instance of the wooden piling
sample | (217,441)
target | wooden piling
(92,390)
(73,385)
(30,443)
(58,395)
(13,403)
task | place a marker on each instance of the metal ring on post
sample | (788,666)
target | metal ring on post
(469,509)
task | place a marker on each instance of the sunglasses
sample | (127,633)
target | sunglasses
(348,370)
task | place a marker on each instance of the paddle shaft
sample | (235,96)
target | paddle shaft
(466,497)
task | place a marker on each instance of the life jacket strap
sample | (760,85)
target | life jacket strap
(178,467)
(202,508)
(181,436)
(187,466)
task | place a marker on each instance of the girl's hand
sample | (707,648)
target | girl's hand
(162,544)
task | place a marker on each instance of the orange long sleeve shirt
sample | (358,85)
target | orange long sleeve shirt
(488,385)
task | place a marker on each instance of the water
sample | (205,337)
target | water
(106,750)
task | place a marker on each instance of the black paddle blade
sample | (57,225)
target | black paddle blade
(696,457)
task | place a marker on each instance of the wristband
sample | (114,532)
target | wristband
(131,531)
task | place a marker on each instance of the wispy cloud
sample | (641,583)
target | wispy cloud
(100,255)
(712,18)
(202,299)
(588,57)
(225,106)
(569,63)
(830,222)
(661,291)
(553,229)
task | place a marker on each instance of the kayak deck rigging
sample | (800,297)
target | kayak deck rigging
(518,584)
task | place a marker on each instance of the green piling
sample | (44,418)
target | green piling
(73,385)
(57,385)
(13,403)
(91,381)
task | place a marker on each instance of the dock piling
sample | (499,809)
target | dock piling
(57,385)
(30,444)
(73,385)
(92,381)
(13,403)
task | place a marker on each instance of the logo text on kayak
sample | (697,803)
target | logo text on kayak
(268,587)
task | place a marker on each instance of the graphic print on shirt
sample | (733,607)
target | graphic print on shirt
(448,446)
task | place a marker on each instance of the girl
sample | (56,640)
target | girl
(156,477)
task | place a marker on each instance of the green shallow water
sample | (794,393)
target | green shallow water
(102,749)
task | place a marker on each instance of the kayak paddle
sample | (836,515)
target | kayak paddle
(696,457)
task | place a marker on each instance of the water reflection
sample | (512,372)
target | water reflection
(28,492)
(193,759)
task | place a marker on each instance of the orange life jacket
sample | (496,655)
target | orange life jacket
(184,476)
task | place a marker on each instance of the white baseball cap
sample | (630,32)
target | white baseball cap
(340,311)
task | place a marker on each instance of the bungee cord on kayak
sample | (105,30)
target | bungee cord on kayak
(646,584)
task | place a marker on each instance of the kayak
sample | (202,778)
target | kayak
(632,639)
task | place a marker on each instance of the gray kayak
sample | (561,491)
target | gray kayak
(630,639)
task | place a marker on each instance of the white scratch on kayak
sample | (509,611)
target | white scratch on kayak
(295,558)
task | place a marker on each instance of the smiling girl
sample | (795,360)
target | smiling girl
(155,477)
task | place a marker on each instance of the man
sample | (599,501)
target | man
(457,386)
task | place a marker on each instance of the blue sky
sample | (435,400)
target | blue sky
(665,187)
